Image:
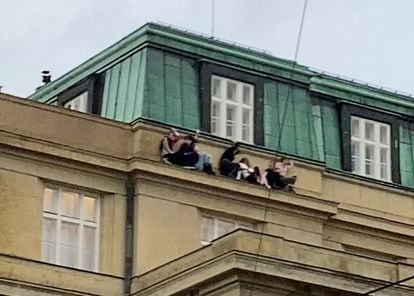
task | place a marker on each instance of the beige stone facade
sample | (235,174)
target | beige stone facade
(335,236)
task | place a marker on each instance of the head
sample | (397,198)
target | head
(245,161)
(191,138)
(285,160)
(236,147)
(173,135)
(273,162)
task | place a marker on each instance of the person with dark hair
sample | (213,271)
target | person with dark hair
(227,165)
(167,143)
(275,176)
(185,154)
(245,172)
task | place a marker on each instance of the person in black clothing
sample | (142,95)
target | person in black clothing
(227,165)
(184,153)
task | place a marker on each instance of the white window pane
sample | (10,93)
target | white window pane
(231,90)
(88,260)
(89,238)
(355,156)
(224,227)
(68,256)
(246,116)
(70,205)
(369,168)
(89,208)
(230,129)
(369,152)
(207,229)
(369,131)
(50,200)
(246,133)
(355,165)
(49,230)
(355,149)
(247,94)
(49,252)
(69,234)
(69,244)
(231,113)
(384,138)
(384,155)
(214,126)
(215,109)
(79,103)
(49,240)
(216,87)
(384,172)
(230,121)
(355,127)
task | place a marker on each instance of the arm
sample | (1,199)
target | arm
(165,146)
(290,165)
(263,180)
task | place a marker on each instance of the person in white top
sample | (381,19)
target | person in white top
(245,172)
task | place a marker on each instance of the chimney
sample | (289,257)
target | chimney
(46,77)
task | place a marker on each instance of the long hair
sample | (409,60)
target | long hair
(246,161)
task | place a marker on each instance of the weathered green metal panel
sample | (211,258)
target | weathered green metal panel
(123,90)
(132,95)
(140,104)
(111,96)
(331,136)
(301,130)
(407,155)
(173,91)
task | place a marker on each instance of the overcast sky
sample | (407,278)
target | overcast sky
(370,40)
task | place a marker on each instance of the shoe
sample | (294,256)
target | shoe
(208,169)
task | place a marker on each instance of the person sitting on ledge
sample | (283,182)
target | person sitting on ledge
(276,175)
(183,153)
(245,172)
(167,143)
(227,165)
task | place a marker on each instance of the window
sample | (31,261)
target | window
(232,103)
(79,103)
(370,142)
(370,148)
(84,96)
(232,109)
(70,234)
(213,227)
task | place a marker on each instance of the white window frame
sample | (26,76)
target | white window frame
(363,142)
(224,102)
(59,218)
(237,224)
(78,103)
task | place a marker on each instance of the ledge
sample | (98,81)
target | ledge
(29,275)
(277,258)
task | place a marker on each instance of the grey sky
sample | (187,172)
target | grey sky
(370,40)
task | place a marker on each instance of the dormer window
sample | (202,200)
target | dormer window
(85,96)
(232,109)
(231,103)
(79,103)
(370,148)
(370,142)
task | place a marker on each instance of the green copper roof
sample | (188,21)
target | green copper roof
(161,35)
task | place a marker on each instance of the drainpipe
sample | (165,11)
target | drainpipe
(129,232)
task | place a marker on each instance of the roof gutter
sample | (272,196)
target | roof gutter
(357,91)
